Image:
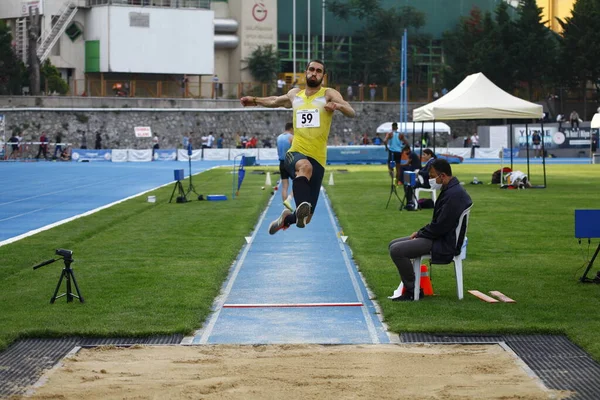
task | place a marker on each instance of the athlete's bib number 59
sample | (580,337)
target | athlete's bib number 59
(308,118)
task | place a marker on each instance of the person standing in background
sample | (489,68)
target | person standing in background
(284,142)
(83,140)
(43,147)
(155,145)
(98,145)
(220,141)
(57,146)
(474,144)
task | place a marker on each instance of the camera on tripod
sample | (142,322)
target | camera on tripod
(64,253)
(67,274)
(410,183)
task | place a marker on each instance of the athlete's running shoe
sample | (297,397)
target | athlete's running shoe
(302,214)
(279,223)
(287,203)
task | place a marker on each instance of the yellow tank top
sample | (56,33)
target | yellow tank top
(311,125)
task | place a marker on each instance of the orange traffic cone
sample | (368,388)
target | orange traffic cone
(425,281)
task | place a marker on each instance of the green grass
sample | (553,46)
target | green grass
(148,268)
(520,243)
(143,268)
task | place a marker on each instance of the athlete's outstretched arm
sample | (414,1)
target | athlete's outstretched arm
(335,101)
(271,101)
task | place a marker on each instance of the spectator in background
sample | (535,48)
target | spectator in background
(536,142)
(57,146)
(14,140)
(83,140)
(444,91)
(349,93)
(365,140)
(65,155)
(574,119)
(155,145)
(216,86)
(220,141)
(210,140)
(43,147)
(244,140)
(185,141)
(253,142)
(98,145)
(377,140)
(474,144)
(184,84)
(372,91)
(280,86)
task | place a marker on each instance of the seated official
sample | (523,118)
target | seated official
(413,161)
(423,178)
(65,155)
(439,236)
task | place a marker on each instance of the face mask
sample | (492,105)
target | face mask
(434,185)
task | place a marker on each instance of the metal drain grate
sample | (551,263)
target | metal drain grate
(559,363)
(24,362)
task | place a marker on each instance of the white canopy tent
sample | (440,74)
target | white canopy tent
(417,127)
(476,97)
(595,121)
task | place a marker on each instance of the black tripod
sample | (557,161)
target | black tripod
(191,187)
(584,278)
(393,190)
(182,196)
(67,274)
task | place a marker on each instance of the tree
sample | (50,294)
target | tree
(376,54)
(580,50)
(11,68)
(263,63)
(459,47)
(51,76)
(536,48)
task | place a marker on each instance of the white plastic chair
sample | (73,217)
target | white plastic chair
(464,219)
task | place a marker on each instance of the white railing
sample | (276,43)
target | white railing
(154,3)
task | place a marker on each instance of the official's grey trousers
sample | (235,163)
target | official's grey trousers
(402,250)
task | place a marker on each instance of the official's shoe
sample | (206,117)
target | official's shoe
(409,295)
(279,223)
(302,214)
(288,205)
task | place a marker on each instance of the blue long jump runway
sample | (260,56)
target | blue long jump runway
(297,286)
(38,195)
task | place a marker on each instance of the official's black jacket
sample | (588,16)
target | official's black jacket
(450,204)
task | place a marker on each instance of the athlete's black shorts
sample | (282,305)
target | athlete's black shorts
(282,170)
(291,158)
(396,156)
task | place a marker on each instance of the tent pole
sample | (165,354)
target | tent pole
(510,135)
(434,136)
(527,148)
(543,154)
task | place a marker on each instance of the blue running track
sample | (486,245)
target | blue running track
(38,195)
(297,286)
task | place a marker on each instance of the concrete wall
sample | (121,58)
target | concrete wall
(117,117)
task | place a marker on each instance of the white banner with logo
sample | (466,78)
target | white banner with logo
(216,154)
(139,155)
(182,155)
(247,152)
(119,155)
(267,154)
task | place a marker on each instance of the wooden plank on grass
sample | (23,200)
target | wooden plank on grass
(502,297)
(483,296)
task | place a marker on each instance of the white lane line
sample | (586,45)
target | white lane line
(359,296)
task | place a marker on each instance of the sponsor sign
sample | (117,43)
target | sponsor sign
(357,154)
(91,155)
(142,131)
(165,155)
(553,137)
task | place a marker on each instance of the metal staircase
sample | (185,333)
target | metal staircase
(47,41)
(21,40)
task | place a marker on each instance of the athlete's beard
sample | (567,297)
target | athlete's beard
(313,82)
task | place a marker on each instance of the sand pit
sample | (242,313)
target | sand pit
(293,372)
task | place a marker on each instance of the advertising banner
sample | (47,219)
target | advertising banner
(91,155)
(358,154)
(554,137)
(165,155)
